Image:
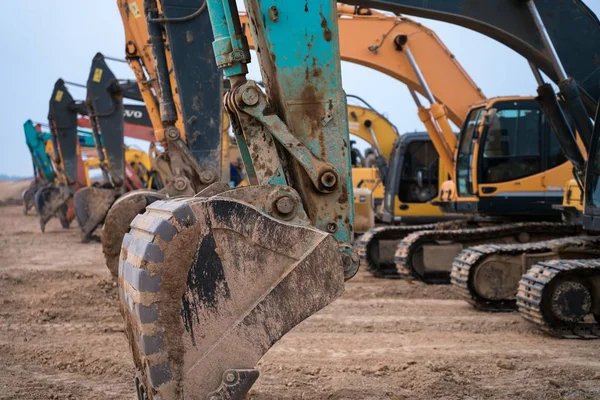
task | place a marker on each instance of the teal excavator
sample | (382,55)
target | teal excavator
(44,170)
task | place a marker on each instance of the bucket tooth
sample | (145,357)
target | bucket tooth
(117,222)
(91,206)
(208,285)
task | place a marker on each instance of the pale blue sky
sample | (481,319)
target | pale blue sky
(44,40)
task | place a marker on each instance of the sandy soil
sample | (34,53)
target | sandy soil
(61,337)
(11,191)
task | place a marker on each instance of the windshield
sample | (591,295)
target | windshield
(464,162)
(512,146)
(419,178)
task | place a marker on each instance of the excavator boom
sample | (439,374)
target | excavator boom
(511,23)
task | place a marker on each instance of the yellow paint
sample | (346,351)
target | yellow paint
(59,96)
(97,75)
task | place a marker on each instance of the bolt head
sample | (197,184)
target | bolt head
(172,133)
(273,13)
(207,176)
(250,97)
(285,205)
(328,179)
(180,184)
(332,227)
(230,377)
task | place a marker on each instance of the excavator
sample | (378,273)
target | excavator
(366,124)
(55,197)
(410,157)
(65,116)
(43,170)
(558,291)
(553,283)
(44,155)
(422,54)
(209,283)
(107,114)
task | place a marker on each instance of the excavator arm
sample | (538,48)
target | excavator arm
(107,115)
(208,332)
(42,164)
(62,116)
(414,55)
(36,144)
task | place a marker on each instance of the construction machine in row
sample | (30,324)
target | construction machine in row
(554,283)
(65,116)
(507,174)
(106,111)
(46,159)
(558,295)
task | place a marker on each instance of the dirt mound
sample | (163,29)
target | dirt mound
(11,191)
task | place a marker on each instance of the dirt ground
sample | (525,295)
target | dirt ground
(11,191)
(61,337)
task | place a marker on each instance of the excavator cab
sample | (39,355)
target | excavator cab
(414,180)
(508,163)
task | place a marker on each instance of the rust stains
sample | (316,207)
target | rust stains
(326,31)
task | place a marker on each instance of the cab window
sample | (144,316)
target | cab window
(419,178)
(512,148)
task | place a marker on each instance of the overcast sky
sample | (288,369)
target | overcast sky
(43,40)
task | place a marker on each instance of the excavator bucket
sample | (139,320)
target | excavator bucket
(91,206)
(117,221)
(208,285)
(52,201)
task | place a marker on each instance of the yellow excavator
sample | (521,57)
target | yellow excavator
(411,156)
(208,284)
(138,160)
(505,167)
(517,276)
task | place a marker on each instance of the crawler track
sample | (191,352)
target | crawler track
(368,250)
(534,298)
(465,265)
(414,242)
(367,242)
